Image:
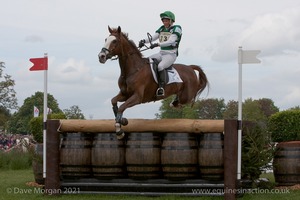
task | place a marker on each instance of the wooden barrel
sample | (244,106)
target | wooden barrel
(179,156)
(286,163)
(143,155)
(210,156)
(75,155)
(108,156)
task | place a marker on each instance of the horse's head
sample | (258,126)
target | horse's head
(111,46)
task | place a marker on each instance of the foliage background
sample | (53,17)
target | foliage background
(19,122)
(285,125)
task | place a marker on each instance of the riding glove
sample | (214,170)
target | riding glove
(154,45)
(141,43)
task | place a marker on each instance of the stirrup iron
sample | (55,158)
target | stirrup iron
(160,92)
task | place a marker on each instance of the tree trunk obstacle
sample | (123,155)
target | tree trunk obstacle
(144,125)
(159,157)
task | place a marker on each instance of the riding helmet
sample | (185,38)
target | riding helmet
(168,15)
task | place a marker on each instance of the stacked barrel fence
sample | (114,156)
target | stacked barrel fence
(157,157)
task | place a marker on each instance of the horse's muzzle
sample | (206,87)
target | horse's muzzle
(102,57)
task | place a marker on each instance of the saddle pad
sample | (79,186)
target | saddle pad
(171,72)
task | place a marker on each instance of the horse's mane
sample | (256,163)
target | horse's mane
(131,42)
(137,51)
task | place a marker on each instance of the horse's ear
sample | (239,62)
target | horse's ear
(109,29)
(119,29)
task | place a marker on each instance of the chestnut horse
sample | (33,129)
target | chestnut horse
(136,81)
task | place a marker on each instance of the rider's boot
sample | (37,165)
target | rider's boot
(161,83)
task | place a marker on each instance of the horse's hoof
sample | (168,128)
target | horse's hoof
(118,127)
(174,103)
(120,135)
(124,121)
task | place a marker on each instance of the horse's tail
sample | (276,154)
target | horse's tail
(203,82)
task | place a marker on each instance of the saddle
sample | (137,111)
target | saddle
(172,75)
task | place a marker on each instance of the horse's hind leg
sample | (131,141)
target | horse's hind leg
(185,98)
(175,102)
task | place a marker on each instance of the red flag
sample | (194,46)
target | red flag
(39,64)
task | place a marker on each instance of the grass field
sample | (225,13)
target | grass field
(13,187)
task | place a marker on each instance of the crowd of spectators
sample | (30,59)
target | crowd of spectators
(7,141)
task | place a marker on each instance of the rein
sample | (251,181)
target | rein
(116,56)
(140,49)
(150,41)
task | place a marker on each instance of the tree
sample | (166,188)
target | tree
(231,110)
(4,116)
(8,98)
(74,113)
(252,111)
(295,108)
(267,107)
(186,111)
(212,108)
(257,150)
(19,122)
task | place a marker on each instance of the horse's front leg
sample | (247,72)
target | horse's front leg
(132,101)
(118,116)
(115,109)
(114,101)
(119,132)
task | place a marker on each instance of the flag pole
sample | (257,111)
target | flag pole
(239,164)
(45,119)
(244,57)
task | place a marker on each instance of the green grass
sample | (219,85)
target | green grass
(15,160)
(13,187)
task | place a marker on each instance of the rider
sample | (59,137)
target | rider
(169,36)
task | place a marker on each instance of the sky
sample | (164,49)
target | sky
(72,33)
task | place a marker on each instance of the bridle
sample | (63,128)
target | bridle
(104,50)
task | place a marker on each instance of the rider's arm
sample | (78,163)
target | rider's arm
(154,37)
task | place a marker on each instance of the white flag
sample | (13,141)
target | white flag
(248,56)
(36,111)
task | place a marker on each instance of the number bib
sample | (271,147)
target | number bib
(164,36)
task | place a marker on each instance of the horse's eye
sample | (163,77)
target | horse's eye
(105,40)
(114,41)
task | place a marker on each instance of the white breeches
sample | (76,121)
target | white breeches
(165,59)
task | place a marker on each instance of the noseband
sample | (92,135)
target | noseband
(103,50)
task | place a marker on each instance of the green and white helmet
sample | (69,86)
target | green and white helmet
(168,15)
